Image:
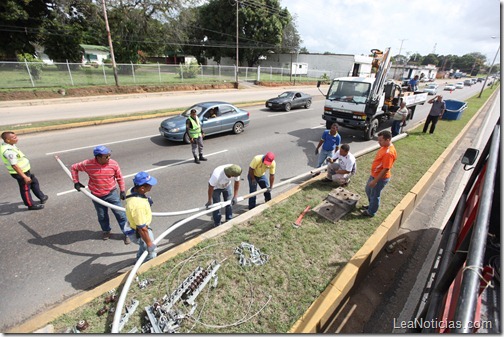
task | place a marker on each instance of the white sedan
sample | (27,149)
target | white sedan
(459,85)
(450,87)
(431,89)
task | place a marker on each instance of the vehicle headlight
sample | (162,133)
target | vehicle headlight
(174,130)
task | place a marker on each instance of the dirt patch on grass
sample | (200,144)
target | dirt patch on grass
(104,90)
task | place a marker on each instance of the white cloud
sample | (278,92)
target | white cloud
(455,27)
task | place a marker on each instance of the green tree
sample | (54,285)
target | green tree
(430,59)
(20,23)
(261,28)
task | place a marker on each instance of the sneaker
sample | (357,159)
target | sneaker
(106,236)
(366,213)
(44,199)
(35,207)
(127,240)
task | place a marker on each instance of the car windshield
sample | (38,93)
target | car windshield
(286,94)
(431,86)
(356,92)
(198,109)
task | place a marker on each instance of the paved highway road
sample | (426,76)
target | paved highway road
(54,253)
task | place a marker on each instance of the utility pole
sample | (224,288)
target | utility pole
(114,66)
(400,48)
(237,40)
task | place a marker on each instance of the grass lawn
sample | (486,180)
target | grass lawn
(272,297)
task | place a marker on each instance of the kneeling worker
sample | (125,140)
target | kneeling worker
(139,214)
(341,166)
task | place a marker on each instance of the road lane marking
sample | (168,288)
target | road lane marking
(150,170)
(287,113)
(92,146)
(317,127)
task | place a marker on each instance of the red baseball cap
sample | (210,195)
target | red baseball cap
(268,158)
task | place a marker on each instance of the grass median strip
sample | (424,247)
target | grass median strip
(302,261)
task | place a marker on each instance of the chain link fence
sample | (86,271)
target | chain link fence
(38,75)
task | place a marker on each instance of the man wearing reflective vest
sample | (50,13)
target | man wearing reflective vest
(19,168)
(196,134)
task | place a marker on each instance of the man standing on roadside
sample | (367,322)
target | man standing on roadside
(436,112)
(19,168)
(104,176)
(380,172)
(330,142)
(399,119)
(196,134)
(139,214)
(220,182)
(257,175)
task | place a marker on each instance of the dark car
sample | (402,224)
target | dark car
(289,100)
(215,117)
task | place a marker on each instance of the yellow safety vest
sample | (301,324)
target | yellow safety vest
(195,131)
(23,162)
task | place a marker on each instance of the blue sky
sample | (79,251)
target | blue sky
(445,27)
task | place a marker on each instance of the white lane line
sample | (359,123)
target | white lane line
(91,146)
(288,113)
(150,170)
(317,127)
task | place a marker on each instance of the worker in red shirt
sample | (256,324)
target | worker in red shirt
(104,176)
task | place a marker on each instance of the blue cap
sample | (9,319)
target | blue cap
(101,149)
(142,178)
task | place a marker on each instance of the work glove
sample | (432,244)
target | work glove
(151,248)
(316,151)
(234,201)
(78,186)
(208,204)
(122,195)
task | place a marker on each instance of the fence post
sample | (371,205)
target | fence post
(104,74)
(133,72)
(271,73)
(246,74)
(202,70)
(181,72)
(70,73)
(29,73)
(159,72)
(219,71)
(258,73)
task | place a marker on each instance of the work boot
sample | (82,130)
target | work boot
(44,199)
(35,207)
(202,158)
(127,240)
(196,160)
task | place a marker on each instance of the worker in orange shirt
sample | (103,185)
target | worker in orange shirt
(380,172)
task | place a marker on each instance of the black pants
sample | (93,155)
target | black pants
(24,189)
(434,120)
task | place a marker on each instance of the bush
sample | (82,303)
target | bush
(190,70)
(34,64)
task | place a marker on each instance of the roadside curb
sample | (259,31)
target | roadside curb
(322,308)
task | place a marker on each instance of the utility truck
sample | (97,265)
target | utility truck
(365,102)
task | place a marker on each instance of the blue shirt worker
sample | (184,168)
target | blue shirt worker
(413,84)
(330,142)
(220,183)
(139,214)
(257,175)
(19,168)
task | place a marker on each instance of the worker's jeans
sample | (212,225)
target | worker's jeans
(226,195)
(373,194)
(396,127)
(25,189)
(142,246)
(323,154)
(197,144)
(102,211)
(264,183)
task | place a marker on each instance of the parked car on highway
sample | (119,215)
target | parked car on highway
(215,117)
(431,89)
(468,83)
(459,85)
(288,100)
(450,87)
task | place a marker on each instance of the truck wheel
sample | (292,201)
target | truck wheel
(287,107)
(328,125)
(373,126)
